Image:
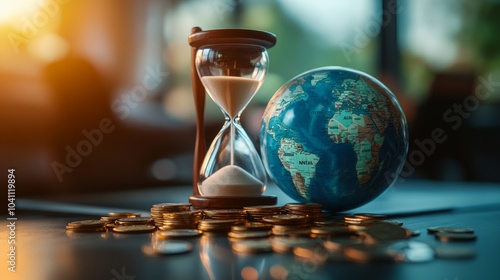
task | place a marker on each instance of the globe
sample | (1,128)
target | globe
(334,136)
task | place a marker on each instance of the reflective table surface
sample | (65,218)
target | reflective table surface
(44,250)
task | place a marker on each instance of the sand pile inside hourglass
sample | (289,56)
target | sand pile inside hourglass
(231,180)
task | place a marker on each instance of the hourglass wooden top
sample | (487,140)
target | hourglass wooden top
(231,36)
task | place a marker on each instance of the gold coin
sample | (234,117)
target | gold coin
(86,224)
(108,219)
(392,222)
(450,229)
(124,214)
(134,229)
(370,216)
(133,221)
(333,230)
(255,226)
(285,219)
(381,232)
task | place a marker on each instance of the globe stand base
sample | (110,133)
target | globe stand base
(230,202)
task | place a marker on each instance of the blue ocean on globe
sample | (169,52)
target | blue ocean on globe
(334,136)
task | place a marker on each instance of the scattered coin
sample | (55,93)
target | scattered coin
(134,229)
(86,224)
(414,233)
(301,228)
(450,230)
(382,232)
(392,222)
(109,219)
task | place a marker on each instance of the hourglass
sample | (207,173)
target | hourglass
(230,65)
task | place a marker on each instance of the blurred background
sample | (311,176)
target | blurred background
(96,95)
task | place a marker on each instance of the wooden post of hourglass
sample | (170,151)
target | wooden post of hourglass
(199,102)
(200,38)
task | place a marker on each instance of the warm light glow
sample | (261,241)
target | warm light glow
(49,47)
(14,10)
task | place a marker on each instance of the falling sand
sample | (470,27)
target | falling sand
(231,180)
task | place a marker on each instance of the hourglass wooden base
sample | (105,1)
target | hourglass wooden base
(231,202)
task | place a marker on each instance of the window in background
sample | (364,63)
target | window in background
(310,35)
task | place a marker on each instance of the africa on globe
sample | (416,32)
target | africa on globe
(334,136)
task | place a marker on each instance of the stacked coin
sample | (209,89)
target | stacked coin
(179,220)
(256,213)
(217,226)
(249,230)
(86,226)
(293,230)
(225,214)
(157,210)
(313,211)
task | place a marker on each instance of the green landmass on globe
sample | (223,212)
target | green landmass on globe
(334,136)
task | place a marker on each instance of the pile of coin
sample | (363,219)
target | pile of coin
(157,210)
(225,214)
(216,226)
(299,228)
(179,220)
(313,211)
